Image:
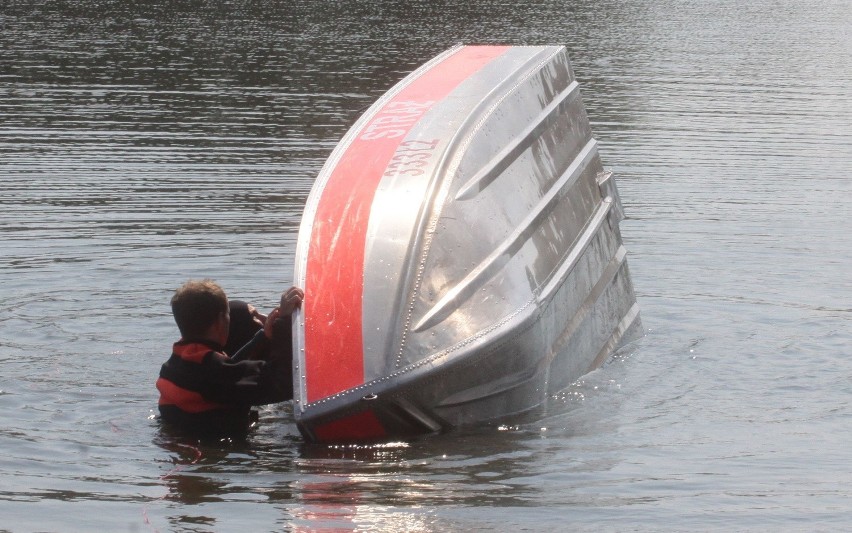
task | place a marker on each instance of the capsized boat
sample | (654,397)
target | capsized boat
(460,252)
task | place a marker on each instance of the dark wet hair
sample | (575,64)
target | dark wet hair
(196,305)
(242,327)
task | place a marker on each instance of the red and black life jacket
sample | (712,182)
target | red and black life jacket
(200,382)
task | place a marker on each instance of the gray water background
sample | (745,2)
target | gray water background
(144,143)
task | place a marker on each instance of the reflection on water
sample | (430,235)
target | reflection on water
(143,143)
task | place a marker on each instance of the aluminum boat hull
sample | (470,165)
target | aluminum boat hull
(460,253)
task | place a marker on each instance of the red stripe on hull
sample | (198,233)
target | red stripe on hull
(335,264)
(358,427)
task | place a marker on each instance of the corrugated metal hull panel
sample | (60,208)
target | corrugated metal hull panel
(460,252)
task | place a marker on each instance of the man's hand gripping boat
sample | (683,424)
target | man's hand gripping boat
(459,251)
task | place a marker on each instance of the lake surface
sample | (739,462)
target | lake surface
(145,143)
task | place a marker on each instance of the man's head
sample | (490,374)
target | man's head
(198,306)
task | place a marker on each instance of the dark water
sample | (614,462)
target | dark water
(144,143)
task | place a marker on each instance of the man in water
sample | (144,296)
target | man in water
(208,384)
